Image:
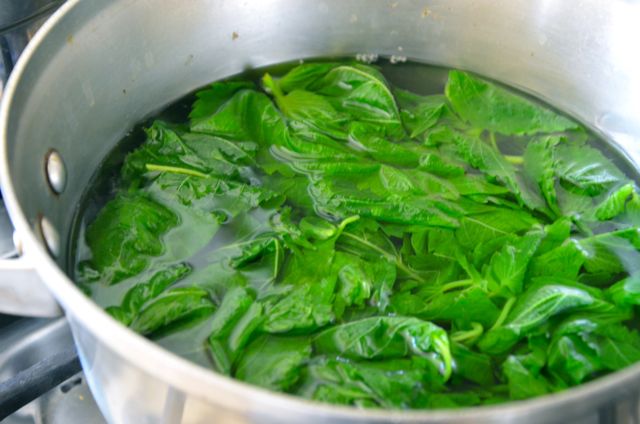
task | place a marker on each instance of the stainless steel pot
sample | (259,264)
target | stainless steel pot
(98,67)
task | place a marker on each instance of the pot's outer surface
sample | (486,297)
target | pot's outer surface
(99,67)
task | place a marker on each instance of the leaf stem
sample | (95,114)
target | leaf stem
(504,313)
(469,335)
(444,350)
(388,256)
(276,91)
(404,268)
(346,222)
(174,170)
(515,160)
(455,284)
(492,138)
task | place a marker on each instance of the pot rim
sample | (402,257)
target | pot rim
(200,381)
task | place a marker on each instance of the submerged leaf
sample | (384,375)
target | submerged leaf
(488,106)
(273,362)
(175,307)
(539,303)
(387,337)
(585,170)
(126,234)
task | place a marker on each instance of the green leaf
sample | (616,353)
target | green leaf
(355,285)
(366,239)
(420,113)
(488,106)
(542,301)
(165,149)
(387,337)
(126,234)
(533,309)
(475,184)
(453,400)
(209,100)
(173,309)
(613,252)
(577,206)
(441,135)
(588,344)
(585,170)
(534,356)
(142,293)
(490,160)
(539,166)
(254,250)
(362,93)
(236,303)
(309,278)
(404,154)
(398,383)
(508,266)
(480,228)
(572,359)
(620,348)
(317,228)
(394,180)
(188,154)
(309,109)
(473,366)
(462,307)
(563,261)
(342,202)
(631,216)
(483,252)
(247,116)
(273,362)
(626,292)
(357,92)
(436,165)
(359,280)
(522,382)
(220,198)
(555,235)
(614,204)
(300,77)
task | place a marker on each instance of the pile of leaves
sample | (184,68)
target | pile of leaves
(354,243)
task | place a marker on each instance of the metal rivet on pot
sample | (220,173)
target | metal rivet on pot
(50,236)
(56,171)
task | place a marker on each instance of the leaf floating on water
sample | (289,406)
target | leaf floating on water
(488,106)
